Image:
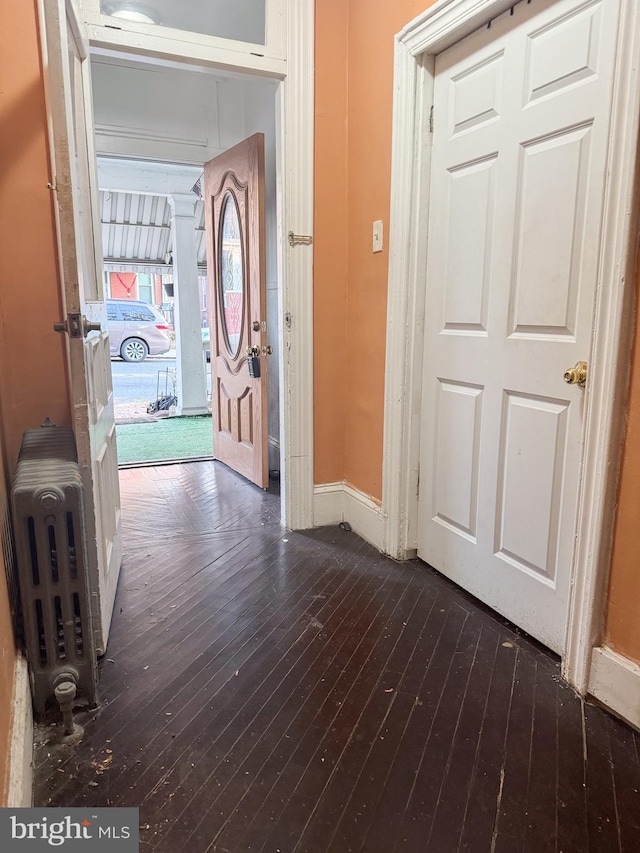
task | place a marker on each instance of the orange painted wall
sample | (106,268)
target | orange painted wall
(372,27)
(7,651)
(623,616)
(354,94)
(32,367)
(33,381)
(331,209)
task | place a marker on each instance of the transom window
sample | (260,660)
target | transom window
(241,20)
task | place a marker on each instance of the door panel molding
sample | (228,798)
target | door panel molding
(444,24)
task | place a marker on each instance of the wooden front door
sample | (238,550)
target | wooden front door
(521,128)
(234,206)
(66,60)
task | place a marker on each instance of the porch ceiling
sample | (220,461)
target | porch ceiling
(137,228)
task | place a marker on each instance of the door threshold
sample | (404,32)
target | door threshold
(156,463)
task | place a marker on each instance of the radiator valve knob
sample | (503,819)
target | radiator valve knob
(65,694)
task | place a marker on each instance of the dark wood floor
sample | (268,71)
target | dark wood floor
(272,691)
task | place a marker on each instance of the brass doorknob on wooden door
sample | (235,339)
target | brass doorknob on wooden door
(77,326)
(88,326)
(576,375)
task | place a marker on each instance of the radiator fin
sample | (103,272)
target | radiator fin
(60,641)
(33,551)
(42,636)
(53,554)
(77,622)
(52,562)
(71,544)
(8,554)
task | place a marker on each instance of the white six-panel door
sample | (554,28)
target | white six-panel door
(521,127)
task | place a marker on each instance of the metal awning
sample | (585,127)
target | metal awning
(136,229)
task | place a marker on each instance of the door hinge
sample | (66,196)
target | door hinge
(431,119)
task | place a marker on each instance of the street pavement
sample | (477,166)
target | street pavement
(135,384)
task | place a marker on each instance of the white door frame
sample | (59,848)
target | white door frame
(417,45)
(293,34)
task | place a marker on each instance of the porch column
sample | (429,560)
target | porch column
(191,382)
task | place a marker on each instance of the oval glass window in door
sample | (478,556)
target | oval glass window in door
(231,266)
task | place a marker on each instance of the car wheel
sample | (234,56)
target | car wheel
(134,349)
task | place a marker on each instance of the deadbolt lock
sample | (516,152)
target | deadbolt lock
(576,375)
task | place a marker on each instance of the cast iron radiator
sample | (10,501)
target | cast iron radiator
(51,552)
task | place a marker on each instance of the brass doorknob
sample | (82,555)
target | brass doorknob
(88,326)
(576,375)
(77,326)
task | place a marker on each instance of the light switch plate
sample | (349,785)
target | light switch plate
(377,235)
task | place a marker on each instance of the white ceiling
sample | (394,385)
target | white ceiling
(151,111)
(161,111)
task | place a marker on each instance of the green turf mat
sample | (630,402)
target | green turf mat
(167,438)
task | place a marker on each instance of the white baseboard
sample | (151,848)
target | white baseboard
(337,502)
(615,681)
(328,504)
(365,516)
(20,781)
